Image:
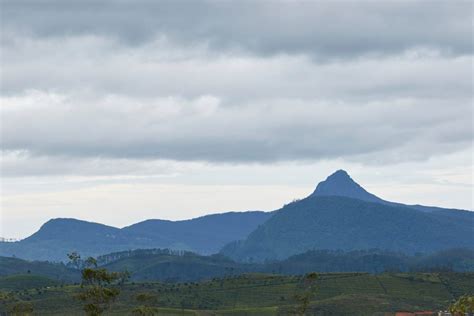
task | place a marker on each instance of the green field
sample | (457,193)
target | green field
(258,294)
(25,281)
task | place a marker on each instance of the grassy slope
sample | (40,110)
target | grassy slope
(146,265)
(174,268)
(25,281)
(338,293)
(188,267)
(58,272)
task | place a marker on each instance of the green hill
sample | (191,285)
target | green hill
(336,222)
(164,265)
(54,271)
(25,281)
(263,294)
(177,268)
(171,266)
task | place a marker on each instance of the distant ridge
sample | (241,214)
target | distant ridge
(204,235)
(342,223)
(339,214)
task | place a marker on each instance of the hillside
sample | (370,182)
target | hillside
(341,215)
(162,265)
(186,267)
(55,271)
(336,222)
(263,294)
(173,266)
(25,281)
(374,261)
(203,235)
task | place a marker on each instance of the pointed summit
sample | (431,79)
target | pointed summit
(341,184)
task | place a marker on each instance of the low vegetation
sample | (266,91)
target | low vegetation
(464,305)
(180,266)
(261,294)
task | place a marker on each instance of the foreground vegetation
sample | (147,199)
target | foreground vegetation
(252,294)
(173,266)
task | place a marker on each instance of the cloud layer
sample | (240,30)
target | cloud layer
(222,82)
(321,29)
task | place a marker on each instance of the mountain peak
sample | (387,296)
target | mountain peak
(340,183)
(340,174)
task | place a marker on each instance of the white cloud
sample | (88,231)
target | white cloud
(99,65)
(208,129)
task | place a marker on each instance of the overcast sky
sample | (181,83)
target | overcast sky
(120,111)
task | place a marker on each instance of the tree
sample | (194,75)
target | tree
(464,305)
(75,260)
(98,290)
(21,308)
(14,305)
(145,309)
(307,290)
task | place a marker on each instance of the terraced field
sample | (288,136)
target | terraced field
(259,294)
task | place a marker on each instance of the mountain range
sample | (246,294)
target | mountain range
(338,215)
(204,235)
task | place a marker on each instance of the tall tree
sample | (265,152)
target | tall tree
(307,290)
(99,286)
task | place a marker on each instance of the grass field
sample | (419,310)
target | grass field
(259,294)
(25,281)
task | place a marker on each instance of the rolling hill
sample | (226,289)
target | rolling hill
(204,235)
(55,271)
(150,265)
(162,265)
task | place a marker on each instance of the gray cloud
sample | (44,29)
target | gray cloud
(323,30)
(98,65)
(207,130)
(232,83)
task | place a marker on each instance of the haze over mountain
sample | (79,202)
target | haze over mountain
(339,214)
(204,235)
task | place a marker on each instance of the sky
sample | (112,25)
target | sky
(120,111)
